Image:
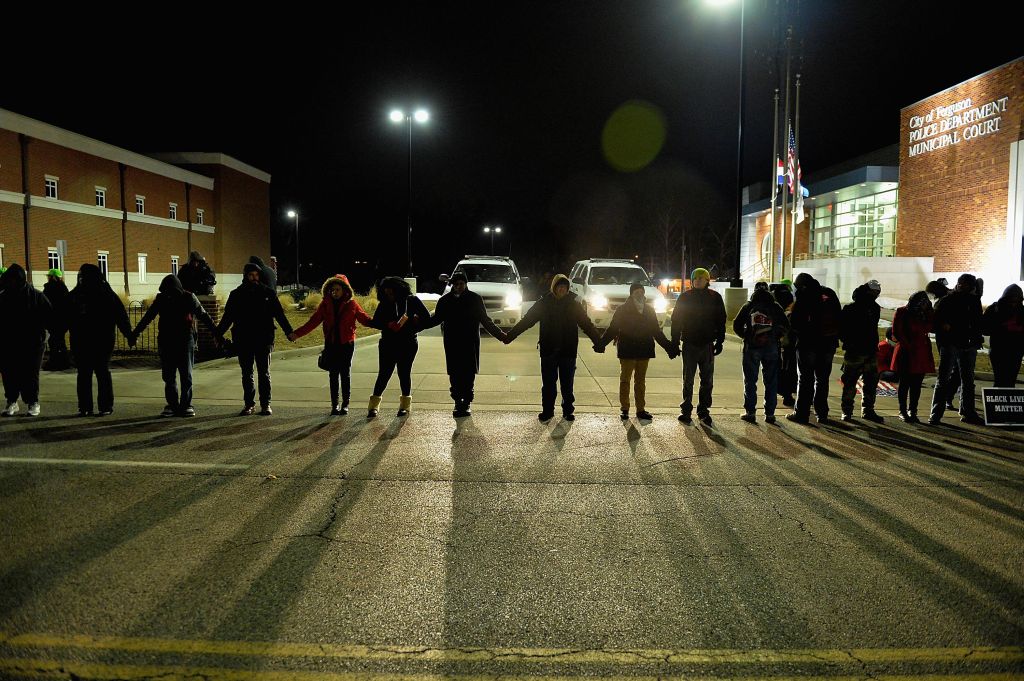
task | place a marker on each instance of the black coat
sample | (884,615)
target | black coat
(635,332)
(91,314)
(56,292)
(559,319)
(958,320)
(268,277)
(764,302)
(816,317)
(250,313)
(460,318)
(26,314)
(1004,325)
(859,328)
(699,318)
(387,312)
(178,311)
(197,278)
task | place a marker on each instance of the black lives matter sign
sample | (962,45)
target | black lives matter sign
(1003,406)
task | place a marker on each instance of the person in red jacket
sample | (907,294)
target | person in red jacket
(338,312)
(886,348)
(912,358)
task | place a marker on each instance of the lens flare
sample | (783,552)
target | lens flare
(633,136)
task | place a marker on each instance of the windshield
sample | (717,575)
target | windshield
(494,273)
(607,276)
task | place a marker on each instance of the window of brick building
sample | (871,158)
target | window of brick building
(174,265)
(142,268)
(53,260)
(172,211)
(102,260)
(51,186)
(199,216)
(140,204)
(101,197)
(1,255)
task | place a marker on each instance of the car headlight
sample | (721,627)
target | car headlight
(598,302)
(513,300)
(660,304)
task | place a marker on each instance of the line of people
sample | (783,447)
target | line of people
(789,342)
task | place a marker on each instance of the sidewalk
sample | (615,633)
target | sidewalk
(509,379)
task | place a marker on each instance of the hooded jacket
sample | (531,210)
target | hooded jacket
(250,313)
(859,323)
(958,320)
(405,304)
(25,311)
(178,309)
(699,318)
(268,277)
(559,318)
(635,332)
(816,315)
(338,318)
(56,291)
(1003,322)
(196,276)
(761,302)
(461,317)
(92,312)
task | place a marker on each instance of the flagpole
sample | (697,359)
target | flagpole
(796,177)
(785,119)
(775,189)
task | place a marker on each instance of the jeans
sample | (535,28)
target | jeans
(698,357)
(21,373)
(462,387)
(260,355)
(562,370)
(177,361)
(854,366)
(954,361)
(637,370)
(815,367)
(395,355)
(767,358)
(99,364)
(340,371)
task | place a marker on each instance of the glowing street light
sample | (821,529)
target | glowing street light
(298,265)
(421,116)
(492,231)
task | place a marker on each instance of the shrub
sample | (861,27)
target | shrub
(287,301)
(312,300)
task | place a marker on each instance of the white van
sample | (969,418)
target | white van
(602,284)
(495,279)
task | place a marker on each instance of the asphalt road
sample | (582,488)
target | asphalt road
(299,546)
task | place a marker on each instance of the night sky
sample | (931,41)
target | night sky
(519,95)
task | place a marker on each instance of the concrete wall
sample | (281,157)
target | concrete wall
(899,277)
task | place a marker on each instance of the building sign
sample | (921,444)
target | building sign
(961,121)
(1003,406)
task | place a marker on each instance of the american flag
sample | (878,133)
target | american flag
(794,163)
(884,389)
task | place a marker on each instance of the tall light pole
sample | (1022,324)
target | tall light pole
(298,263)
(492,231)
(739,131)
(420,116)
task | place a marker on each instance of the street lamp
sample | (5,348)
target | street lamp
(420,116)
(739,131)
(492,231)
(298,264)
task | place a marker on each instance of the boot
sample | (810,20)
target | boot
(404,404)
(371,410)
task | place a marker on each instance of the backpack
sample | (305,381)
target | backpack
(826,317)
(761,332)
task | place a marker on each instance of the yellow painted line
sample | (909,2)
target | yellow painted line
(275,649)
(52,669)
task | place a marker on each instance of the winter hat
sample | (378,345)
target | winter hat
(804,279)
(250,267)
(967,279)
(634,286)
(700,272)
(761,286)
(459,276)
(874,285)
(787,282)
(55,273)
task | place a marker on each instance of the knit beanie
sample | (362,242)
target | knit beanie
(700,272)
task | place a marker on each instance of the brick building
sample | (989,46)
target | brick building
(949,198)
(66,199)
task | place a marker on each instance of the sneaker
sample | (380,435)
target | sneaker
(934,421)
(706,419)
(343,410)
(645,415)
(545,416)
(188,412)
(873,416)
(847,417)
(905,417)
(912,418)
(797,418)
(950,406)
(11,409)
(823,419)
(266,410)
(749,417)
(569,417)
(84,412)
(685,418)
(460,413)
(168,411)
(33,410)
(970,419)
(624,414)
(248,410)
(105,412)
(769,419)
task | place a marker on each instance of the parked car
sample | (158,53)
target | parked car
(496,279)
(603,284)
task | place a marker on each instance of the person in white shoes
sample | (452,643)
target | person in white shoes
(27,314)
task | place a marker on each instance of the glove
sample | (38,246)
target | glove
(672,353)
(718,348)
(506,338)
(394,326)
(598,348)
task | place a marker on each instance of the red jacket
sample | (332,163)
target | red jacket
(336,330)
(884,356)
(913,355)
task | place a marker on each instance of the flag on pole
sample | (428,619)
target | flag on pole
(780,173)
(795,177)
